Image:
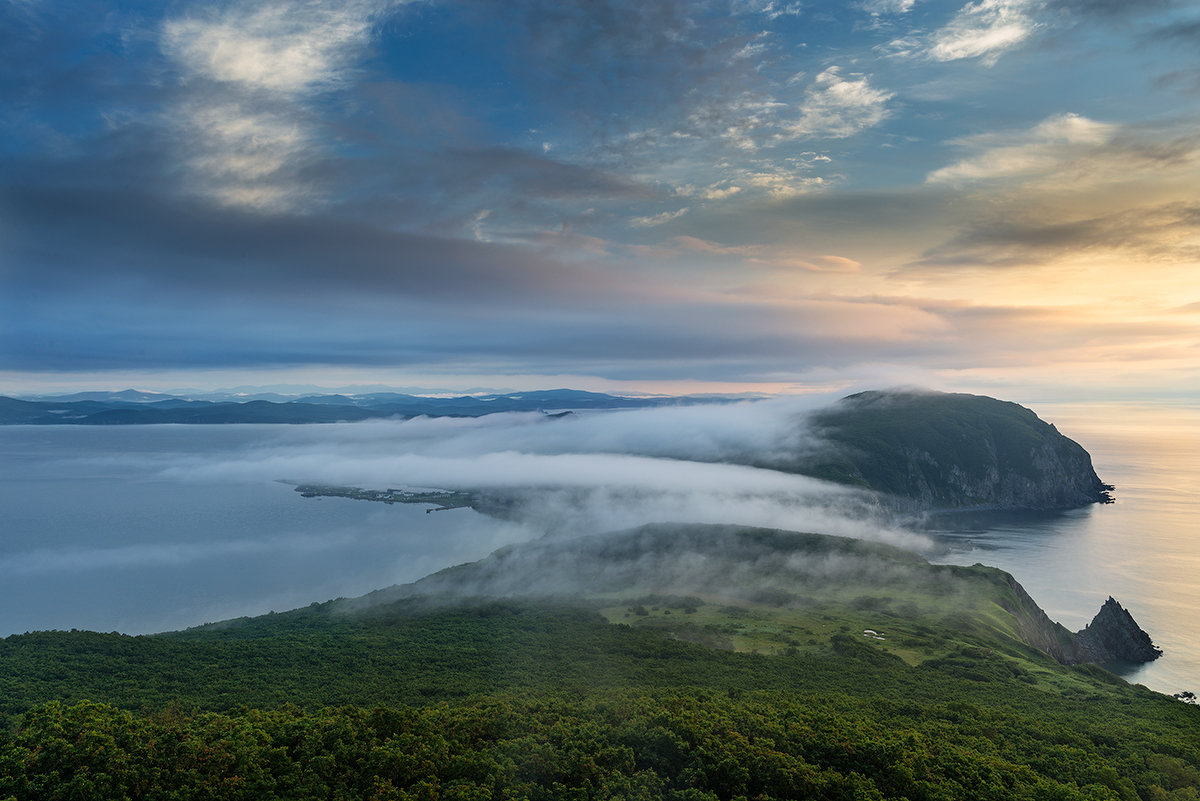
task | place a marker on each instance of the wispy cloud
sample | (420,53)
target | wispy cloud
(280,47)
(1110,8)
(1169,232)
(654,220)
(243,184)
(247,71)
(771,9)
(715,192)
(1071,187)
(1070,150)
(984,30)
(1186,32)
(882,7)
(828,264)
(588,474)
(782,182)
(759,254)
(1045,148)
(837,106)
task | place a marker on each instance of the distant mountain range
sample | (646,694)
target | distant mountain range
(131,407)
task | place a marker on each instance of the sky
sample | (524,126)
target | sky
(999,196)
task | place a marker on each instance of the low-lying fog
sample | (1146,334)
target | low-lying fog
(146,528)
(142,528)
(583,473)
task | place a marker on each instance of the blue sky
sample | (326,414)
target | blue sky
(998,196)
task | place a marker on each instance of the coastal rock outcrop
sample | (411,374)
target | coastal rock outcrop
(936,451)
(1114,636)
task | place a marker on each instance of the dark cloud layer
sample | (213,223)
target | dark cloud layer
(61,237)
(1111,7)
(652,61)
(705,189)
(1186,32)
(1149,233)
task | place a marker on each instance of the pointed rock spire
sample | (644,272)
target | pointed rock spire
(1114,636)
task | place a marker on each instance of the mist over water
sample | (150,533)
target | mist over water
(149,528)
(97,537)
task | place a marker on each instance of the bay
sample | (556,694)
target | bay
(124,529)
(99,533)
(1143,549)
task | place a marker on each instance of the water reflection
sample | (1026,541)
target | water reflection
(1142,549)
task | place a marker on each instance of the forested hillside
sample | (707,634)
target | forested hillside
(827,693)
(934,450)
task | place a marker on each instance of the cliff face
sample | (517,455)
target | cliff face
(950,451)
(1112,636)
(1037,629)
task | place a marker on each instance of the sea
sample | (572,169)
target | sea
(124,528)
(1143,549)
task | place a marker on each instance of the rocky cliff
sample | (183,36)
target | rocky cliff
(930,450)
(1112,636)
(1035,626)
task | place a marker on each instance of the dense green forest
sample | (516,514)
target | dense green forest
(502,702)
(934,450)
(752,694)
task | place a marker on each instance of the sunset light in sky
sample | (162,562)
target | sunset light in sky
(726,196)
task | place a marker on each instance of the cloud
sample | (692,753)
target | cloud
(697,245)
(587,474)
(189,246)
(1188,80)
(837,107)
(1109,8)
(714,192)
(771,9)
(773,257)
(984,29)
(657,219)
(1069,151)
(613,66)
(828,264)
(1169,232)
(771,429)
(1043,149)
(782,183)
(247,73)
(533,175)
(1068,340)
(211,285)
(280,47)
(247,157)
(1185,32)
(882,7)
(1070,186)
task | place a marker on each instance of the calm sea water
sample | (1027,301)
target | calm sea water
(123,529)
(1144,549)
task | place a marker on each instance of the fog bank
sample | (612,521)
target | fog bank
(581,473)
